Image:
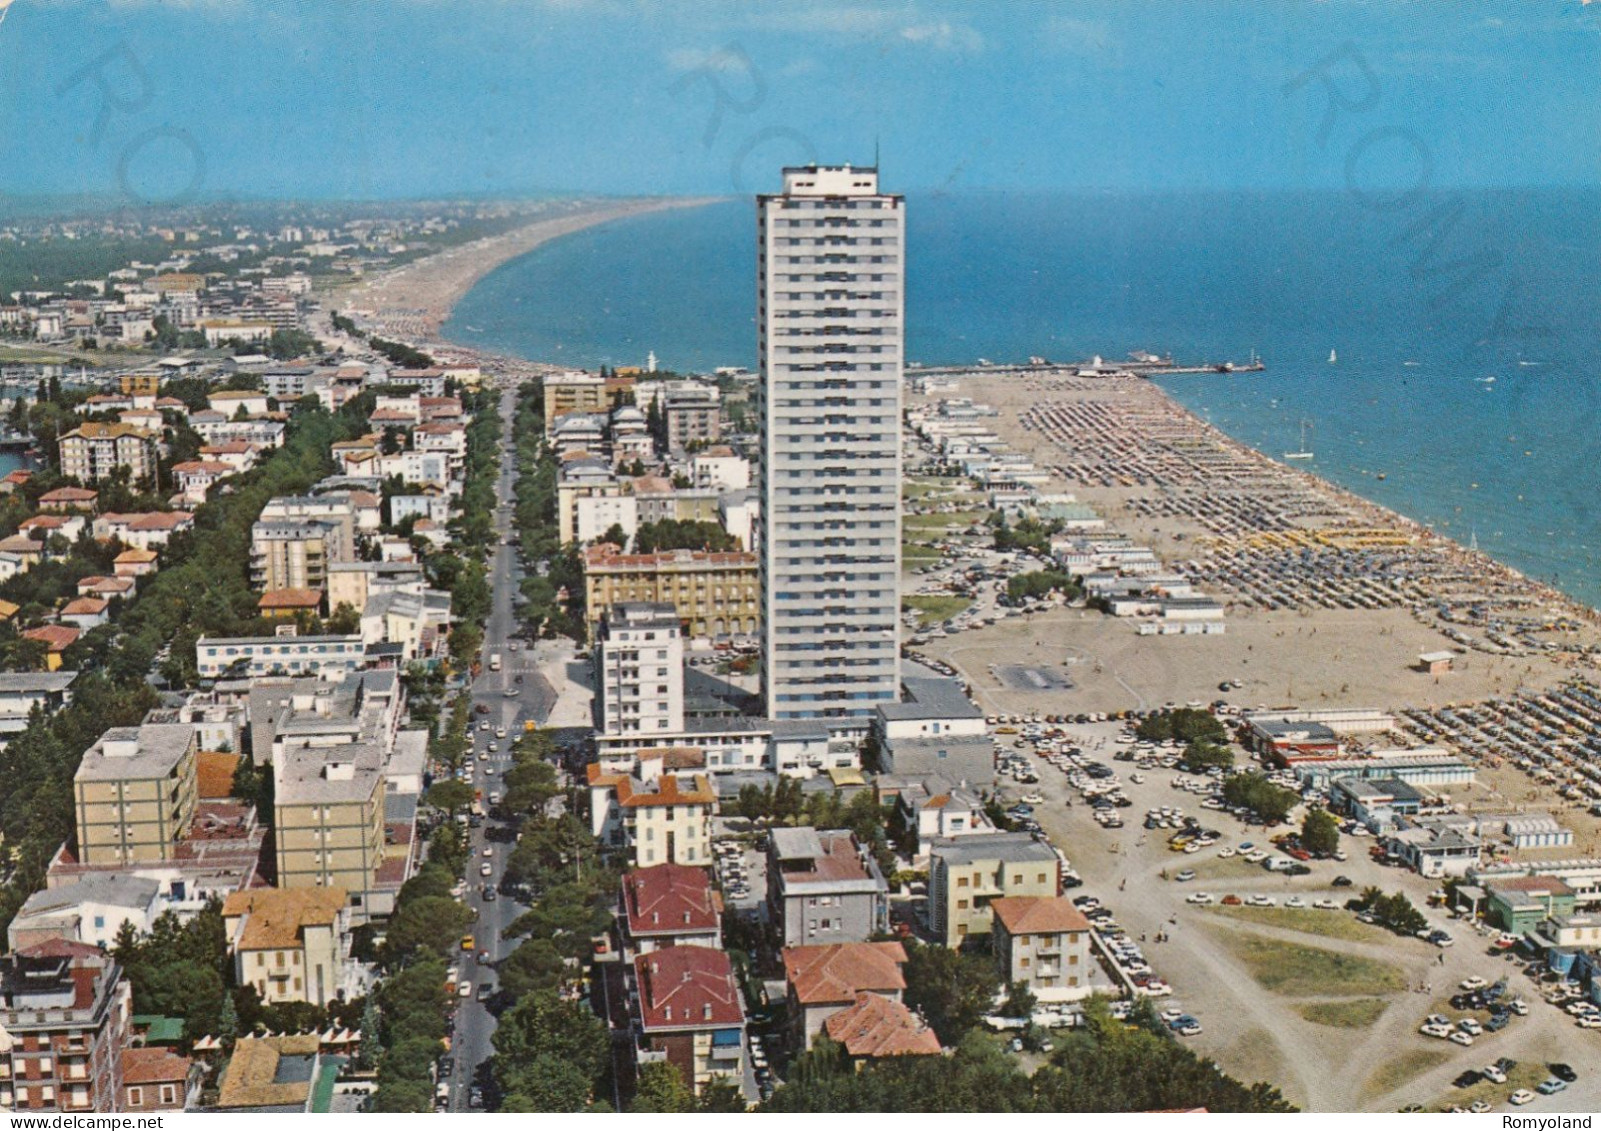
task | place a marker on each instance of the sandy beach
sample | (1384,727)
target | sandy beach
(412,302)
(1329,598)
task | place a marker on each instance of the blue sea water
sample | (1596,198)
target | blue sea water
(1424,301)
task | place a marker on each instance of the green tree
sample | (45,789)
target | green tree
(1020,1001)
(535,965)
(450,794)
(660,1088)
(952,989)
(540,1033)
(1320,832)
(427,922)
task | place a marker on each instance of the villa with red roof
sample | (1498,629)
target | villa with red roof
(670,905)
(687,1010)
(822,980)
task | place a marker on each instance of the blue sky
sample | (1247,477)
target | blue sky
(396,98)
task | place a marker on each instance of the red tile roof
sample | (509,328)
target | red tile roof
(1038,915)
(290,599)
(69,495)
(876,1027)
(55,636)
(838,972)
(687,987)
(669,899)
(154,1066)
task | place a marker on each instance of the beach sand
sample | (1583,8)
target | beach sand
(1308,656)
(412,302)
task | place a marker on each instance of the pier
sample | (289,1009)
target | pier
(1139,365)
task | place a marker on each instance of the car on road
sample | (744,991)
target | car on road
(485,990)
(1199,897)
(1185,876)
(1479,1107)
(1473,983)
(1461,1038)
(1470,1078)
(487,852)
(1225,853)
(1261,901)
(1520,1097)
(1295,901)
(1429,1029)
(483,726)
(1551,1086)
(1341,881)
(1562,1072)
(1231,901)
(464,990)
(1325,905)
(467,942)
(1493,1073)
(510,693)
(486,869)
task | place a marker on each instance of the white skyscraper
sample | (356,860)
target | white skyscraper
(831,303)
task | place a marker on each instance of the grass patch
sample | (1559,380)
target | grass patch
(1358,1013)
(1523,1076)
(1400,1069)
(912,553)
(1309,921)
(1308,971)
(932,609)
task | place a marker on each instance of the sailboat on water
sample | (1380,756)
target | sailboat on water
(1333,357)
(1303,452)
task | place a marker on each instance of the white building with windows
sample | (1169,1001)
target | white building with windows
(639,654)
(830,303)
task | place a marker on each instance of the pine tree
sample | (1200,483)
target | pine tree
(366,1052)
(228,1022)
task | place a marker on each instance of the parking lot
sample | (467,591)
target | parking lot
(1284,983)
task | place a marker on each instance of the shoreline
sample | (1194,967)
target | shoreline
(1287,552)
(412,303)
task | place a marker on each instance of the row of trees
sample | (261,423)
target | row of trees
(414,1000)
(1041,583)
(553,569)
(1185,724)
(1104,1066)
(1394,911)
(683,534)
(784,803)
(1027,534)
(203,588)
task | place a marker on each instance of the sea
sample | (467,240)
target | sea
(1439,353)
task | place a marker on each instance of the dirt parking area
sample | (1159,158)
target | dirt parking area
(1271,989)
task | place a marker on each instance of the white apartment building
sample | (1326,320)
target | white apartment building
(639,652)
(831,313)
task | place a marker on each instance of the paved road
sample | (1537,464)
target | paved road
(475,1025)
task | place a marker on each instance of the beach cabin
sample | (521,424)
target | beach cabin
(1435,663)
